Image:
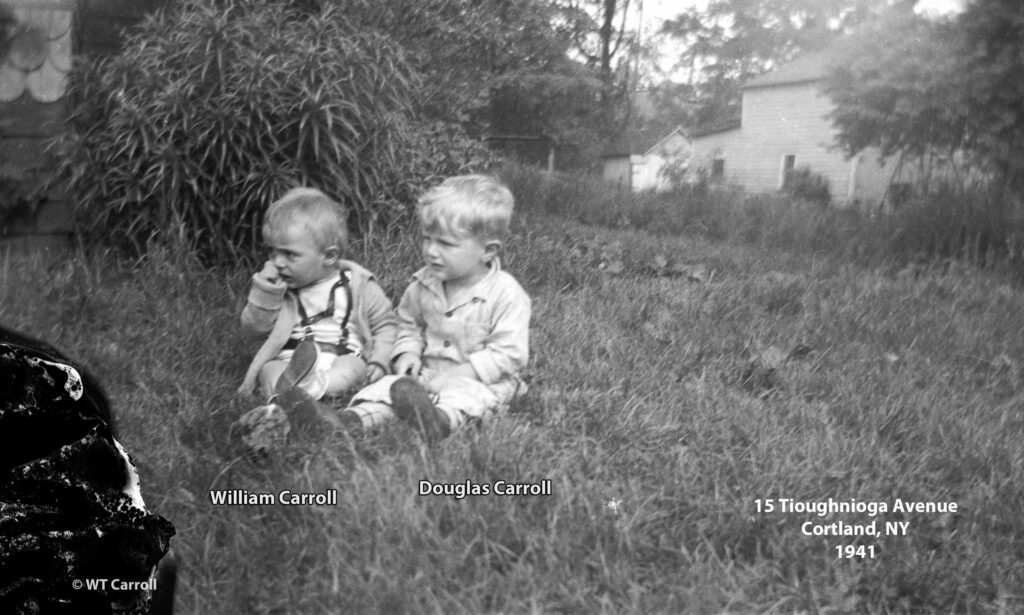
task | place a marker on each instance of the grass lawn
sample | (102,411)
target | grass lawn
(677,384)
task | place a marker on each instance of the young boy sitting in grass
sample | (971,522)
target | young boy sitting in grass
(463,322)
(330,326)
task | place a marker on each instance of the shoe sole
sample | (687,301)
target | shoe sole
(301,364)
(411,402)
(305,413)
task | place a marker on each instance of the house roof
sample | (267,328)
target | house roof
(805,68)
(675,131)
(715,128)
(638,142)
(39,56)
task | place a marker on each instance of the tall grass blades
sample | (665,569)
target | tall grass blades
(661,408)
(981,226)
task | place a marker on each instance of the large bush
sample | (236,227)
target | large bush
(214,109)
(805,185)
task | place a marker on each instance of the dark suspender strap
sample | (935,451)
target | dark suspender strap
(348,303)
(307,321)
(329,311)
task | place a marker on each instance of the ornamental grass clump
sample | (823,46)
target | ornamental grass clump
(213,110)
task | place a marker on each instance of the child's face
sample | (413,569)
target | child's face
(458,259)
(299,261)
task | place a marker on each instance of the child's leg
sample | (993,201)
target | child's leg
(371,413)
(413,404)
(345,373)
(289,367)
(458,402)
(465,399)
(269,375)
(371,405)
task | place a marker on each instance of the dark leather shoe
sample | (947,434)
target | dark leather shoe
(411,402)
(304,412)
(301,364)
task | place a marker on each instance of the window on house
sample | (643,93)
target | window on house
(718,169)
(788,164)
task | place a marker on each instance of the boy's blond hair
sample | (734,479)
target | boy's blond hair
(320,216)
(479,205)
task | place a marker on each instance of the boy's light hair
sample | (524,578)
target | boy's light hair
(320,216)
(478,205)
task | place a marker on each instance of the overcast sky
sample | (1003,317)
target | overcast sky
(657,11)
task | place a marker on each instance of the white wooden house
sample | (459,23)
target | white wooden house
(638,161)
(784,125)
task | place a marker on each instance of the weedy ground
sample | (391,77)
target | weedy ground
(675,380)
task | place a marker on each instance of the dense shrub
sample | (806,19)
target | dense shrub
(586,198)
(984,225)
(806,185)
(214,109)
(981,225)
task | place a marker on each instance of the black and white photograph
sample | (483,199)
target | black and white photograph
(511,306)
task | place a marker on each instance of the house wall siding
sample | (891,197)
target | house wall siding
(792,120)
(645,173)
(789,120)
(616,172)
(718,145)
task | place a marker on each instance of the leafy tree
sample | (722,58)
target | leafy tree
(493,66)
(953,89)
(893,88)
(535,88)
(991,77)
(602,37)
(734,40)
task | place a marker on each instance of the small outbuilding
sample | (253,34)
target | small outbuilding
(641,161)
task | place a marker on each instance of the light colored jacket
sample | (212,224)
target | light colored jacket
(270,308)
(489,329)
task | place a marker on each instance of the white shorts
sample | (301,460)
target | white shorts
(324,360)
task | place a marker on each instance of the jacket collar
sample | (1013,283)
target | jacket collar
(427,278)
(356,269)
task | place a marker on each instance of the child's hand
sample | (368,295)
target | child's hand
(408,364)
(374,373)
(435,382)
(269,273)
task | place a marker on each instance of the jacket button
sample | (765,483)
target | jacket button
(447,344)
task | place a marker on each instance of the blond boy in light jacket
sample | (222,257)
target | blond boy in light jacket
(463,335)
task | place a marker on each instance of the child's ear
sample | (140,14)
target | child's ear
(492,248)
(331,255)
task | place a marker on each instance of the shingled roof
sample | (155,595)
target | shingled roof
(635,142)
(39,56)
(805,68)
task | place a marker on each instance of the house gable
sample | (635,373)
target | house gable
(675,143)
(637,163)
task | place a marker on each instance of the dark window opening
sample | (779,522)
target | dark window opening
(788,164)
(718,169)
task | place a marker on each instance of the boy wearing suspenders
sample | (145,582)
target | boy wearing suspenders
(330,327)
